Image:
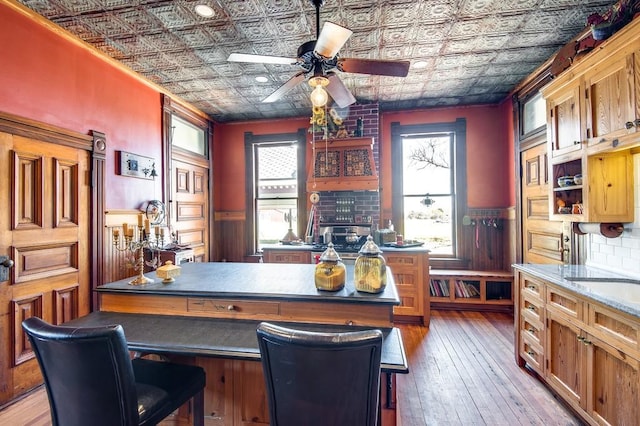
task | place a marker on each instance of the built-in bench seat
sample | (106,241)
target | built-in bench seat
(471,289)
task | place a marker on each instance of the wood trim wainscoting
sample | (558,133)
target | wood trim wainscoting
(230,241)
(116,263)
(462,372)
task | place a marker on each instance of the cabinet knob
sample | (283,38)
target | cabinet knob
(637,122)
(231,308)
(532,331)
(531,308)
(576,142)
(615,143)
(629,125)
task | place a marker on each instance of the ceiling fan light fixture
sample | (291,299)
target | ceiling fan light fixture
(319,96)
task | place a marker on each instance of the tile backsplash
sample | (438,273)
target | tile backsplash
(620,254)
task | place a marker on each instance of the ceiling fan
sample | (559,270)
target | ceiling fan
(319,58)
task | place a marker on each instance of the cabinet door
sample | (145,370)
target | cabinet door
(613,396)
(249,394)
(610,177)
(610,102)
(564,120)
(565,369)
(408,282)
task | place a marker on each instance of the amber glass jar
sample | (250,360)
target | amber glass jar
(370,268)
(330,272)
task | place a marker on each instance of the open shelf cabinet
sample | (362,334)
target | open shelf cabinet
(464,289)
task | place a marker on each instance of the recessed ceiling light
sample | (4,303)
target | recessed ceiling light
(204,10)
(261,79)
(420,64)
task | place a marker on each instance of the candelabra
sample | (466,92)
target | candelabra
(137,246)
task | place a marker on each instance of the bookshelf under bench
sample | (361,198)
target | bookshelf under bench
(471,290)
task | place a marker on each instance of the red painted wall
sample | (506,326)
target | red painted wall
(228,157)
(488,157)
(47,78)
(489,154)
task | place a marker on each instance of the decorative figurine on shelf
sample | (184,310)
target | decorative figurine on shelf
(342,133)
(359,127)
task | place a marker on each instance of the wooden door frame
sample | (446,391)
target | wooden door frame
(96,145)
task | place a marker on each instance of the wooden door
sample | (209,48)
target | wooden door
(190,215)
(44,229)
(565,134)
(541,238)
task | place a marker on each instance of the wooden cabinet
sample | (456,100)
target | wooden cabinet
(484,290)
(590,352)
(611,108)
(563,118)
(410,271)
(343,165)
(286,256)
(593,116)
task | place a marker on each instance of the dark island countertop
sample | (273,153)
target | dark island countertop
(220,338)
(262,281)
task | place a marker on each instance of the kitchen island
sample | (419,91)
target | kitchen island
(209,315)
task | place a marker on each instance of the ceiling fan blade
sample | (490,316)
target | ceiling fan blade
(375,67)
(261,59)
(290,84)
(339,92)
(331,39)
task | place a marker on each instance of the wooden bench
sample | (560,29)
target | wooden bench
(471,290)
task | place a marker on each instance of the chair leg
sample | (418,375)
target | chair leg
(198,408)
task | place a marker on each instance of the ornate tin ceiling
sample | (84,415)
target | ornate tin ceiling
(475,51)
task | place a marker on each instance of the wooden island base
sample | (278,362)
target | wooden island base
(213,324)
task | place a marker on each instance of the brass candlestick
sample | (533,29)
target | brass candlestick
(137,246)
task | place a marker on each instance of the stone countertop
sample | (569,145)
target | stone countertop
(272,281)
(310,247)
(617,291)
(220,338)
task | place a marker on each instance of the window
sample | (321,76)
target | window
(429,190)
(275,169)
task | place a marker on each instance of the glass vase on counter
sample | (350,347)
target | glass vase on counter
(370,271)
(330,272)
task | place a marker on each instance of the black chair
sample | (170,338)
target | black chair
(91,379)
(315,378)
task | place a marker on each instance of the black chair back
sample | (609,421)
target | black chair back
(316,378)
(91,379)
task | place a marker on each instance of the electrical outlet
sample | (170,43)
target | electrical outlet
(137,166)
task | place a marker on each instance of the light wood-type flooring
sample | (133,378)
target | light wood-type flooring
(462,372)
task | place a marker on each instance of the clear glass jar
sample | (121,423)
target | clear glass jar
(370,268)
(330,272)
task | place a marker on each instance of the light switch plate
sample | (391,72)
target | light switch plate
(135,165)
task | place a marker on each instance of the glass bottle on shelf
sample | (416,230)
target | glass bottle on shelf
(370,271)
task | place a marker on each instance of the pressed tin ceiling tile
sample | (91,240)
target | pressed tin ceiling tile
(475,51)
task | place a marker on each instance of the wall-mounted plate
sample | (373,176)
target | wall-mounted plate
(136,166)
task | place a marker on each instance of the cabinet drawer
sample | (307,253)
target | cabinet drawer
(532,309)
(406,278)
(532,328)
(565,303)
(396,260)
(532,287)
(532,352)
(609,324)
(233,308)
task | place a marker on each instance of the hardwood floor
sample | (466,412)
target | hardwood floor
(462,372)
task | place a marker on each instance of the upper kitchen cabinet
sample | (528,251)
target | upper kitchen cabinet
(612,117)
(343,165)
(563,117)
(593,119)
